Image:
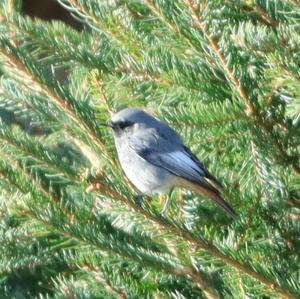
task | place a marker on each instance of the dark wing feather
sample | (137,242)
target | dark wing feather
(208,175)
(150,145)
(178,160)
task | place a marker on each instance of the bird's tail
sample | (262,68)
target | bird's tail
(211,192)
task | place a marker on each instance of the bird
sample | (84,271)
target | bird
(155,159)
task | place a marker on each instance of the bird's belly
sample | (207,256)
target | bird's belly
(147,178)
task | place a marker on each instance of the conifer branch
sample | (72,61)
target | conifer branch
(175,59)
(257,165)
(35,152)
(127,67)
(21,103)
(268,218)
(36,187)
(252,111)
(295,202)
(104,97)
(289,242)
(105,282)
(201,281)
(83,11)
(185,271)
(163,224)
(264,16)
(150,4)
(42,88)
(198,278)
(295,2)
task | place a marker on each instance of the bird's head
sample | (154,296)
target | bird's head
(125,119)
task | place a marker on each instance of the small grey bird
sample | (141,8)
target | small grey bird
(155,159)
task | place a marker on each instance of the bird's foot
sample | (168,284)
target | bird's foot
(163,212)
(138,199)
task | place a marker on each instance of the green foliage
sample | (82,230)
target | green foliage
(225,74)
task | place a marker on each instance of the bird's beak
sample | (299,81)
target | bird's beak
(106,124)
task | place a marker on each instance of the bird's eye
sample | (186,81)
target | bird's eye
(123,124)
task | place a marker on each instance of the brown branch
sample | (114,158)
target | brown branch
(197,244)
(285,235)
(294,216)
(264,16)
(295,2)
(42,88)
(201,281)
(294,202)
(43,191)
(185,271)
(214,46)
(268,218)
(252,111)
(104,281)
(38,159)
(102,25)
(99,81)
(188,271)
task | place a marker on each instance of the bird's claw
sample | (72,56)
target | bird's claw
(138,199)
(165,207)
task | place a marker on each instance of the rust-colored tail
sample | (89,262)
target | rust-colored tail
(209,191)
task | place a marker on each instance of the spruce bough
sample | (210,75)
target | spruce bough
(225,75)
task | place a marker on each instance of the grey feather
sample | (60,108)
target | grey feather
(153,147)
(155,159)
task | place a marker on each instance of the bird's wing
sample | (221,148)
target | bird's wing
(150,145)
(207,174)
(178,160)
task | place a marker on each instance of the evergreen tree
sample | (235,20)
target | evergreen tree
(225,74)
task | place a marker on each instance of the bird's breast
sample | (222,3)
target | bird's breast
(146,177)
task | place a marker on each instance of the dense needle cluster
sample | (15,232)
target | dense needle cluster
(225,74)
